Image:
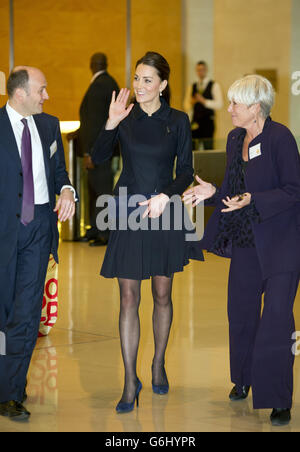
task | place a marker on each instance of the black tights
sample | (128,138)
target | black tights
(129,324)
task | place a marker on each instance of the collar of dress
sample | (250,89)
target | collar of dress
(162,113)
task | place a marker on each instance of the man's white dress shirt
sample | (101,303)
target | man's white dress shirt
(41,194)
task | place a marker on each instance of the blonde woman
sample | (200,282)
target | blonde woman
(256,223)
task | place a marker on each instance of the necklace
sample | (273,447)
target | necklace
(156,108)
(250,135)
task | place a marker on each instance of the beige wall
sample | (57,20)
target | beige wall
(4,40)
(295,68)
(198,29)
(252,35)
(59,36)
(156,26)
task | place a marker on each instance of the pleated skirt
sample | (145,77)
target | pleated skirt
(140,254)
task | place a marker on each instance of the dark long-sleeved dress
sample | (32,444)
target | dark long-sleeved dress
(149,147)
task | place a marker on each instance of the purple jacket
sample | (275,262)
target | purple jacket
(273,179)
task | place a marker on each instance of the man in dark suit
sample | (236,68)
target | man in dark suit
(93,115)
(32,173)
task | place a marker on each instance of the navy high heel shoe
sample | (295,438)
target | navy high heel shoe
(124,407)
(160,389)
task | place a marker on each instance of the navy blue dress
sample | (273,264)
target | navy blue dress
(149,147)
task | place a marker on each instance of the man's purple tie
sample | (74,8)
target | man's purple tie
(28,187)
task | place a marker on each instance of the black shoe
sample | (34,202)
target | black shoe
(83,239)
(280,416)
(14,410)
(98,242)
(25,394)
(236,395)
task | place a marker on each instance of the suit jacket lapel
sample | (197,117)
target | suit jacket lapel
(7,138)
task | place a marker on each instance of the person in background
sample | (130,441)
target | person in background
(256,223)
(32,173)
(201,101)
(93,115)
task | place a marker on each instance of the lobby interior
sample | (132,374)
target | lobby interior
(76,374)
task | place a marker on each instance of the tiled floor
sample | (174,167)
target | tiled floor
(76,374)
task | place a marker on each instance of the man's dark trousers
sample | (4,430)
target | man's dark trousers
(22,286)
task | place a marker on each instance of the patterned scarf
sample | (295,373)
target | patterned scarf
(235,227)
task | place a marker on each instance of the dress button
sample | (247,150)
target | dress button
(18,215)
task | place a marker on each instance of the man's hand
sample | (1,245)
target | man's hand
(87,162)
(65,205)
(199,98)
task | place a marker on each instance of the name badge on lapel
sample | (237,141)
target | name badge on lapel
(53,149)
(254,151)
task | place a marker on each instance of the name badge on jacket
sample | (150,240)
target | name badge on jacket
(53,148)
(254,151)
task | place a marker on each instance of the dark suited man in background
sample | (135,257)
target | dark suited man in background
(93,115)
(32,173)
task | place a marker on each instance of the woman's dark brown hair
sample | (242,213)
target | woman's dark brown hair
(162,67)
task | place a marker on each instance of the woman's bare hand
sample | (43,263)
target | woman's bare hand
(199,193)
(118,109)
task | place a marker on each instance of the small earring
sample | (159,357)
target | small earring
(160,93)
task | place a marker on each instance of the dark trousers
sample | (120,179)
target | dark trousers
(204,134)
(100,182)
(21,295)
(261,339)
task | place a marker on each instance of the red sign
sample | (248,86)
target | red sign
(50,299)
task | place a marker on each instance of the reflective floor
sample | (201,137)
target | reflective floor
(76,374)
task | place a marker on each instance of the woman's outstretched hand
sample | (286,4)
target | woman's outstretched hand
(237,202)
(199,193)
(118,109)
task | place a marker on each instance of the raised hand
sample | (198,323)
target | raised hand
(118,109)
(199,193)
